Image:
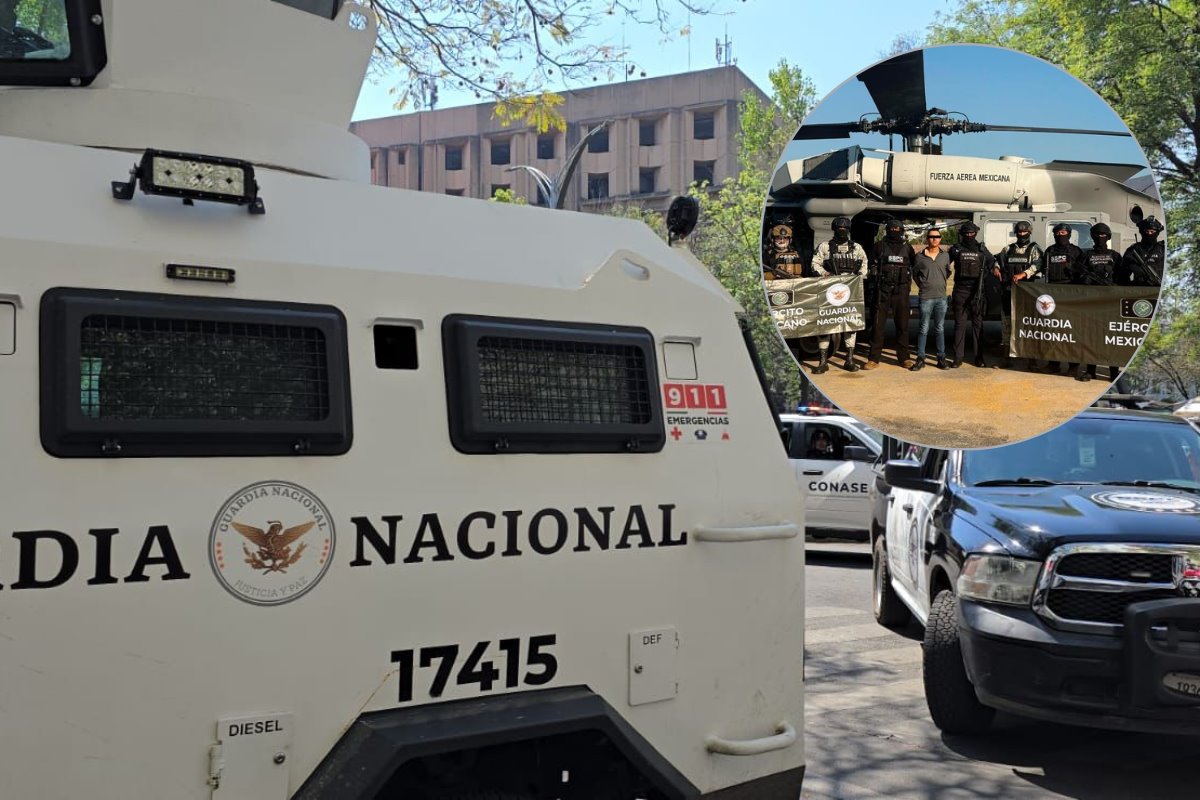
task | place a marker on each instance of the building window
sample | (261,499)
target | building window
(454,159)
(599,142)
(455,192)
(597,185)
(545,145)
(400,157)
(647,178)
(498,186)
(704,171)
(647,131)
(501,152)
(703,124)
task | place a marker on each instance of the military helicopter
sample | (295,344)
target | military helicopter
(920,184)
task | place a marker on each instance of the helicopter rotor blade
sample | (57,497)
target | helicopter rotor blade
(830,130)
(1033,129)
(898,86)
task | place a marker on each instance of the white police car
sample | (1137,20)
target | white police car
(832,457)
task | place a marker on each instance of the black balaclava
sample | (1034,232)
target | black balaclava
(1023,230)
(1150,228)
(968,233)
(1062,234)
(894,231)
(1101,235)
(841,229)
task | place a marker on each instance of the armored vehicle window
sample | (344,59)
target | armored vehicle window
(322,8)
(50,42)
(522,386)
(157,375)
(34,30)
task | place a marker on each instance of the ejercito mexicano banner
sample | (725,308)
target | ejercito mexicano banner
(1080,324)
(817,306)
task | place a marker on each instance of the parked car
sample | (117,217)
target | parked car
(1057,578)
(832,456)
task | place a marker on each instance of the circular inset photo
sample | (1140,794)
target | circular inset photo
(963,246)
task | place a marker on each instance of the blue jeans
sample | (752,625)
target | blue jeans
(935,308)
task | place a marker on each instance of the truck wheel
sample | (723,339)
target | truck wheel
(890,610)
(948,692)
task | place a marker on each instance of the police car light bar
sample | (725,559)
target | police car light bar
(193,177)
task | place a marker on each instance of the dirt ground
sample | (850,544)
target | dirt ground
(965,407)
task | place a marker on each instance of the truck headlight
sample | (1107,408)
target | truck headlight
(999,579)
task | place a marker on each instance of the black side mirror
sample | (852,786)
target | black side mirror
(856,452)
(908,475)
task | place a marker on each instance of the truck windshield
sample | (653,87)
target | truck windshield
(34,30)
(1124,451)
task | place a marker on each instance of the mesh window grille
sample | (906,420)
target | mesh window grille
(577,383)
(144,368)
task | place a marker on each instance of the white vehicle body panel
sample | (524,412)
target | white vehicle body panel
(114,689)
(835,491)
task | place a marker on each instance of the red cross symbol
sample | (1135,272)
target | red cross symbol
(676,433)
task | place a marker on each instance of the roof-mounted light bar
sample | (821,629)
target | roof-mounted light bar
(193,177)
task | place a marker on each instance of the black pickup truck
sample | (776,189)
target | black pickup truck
(1056,578)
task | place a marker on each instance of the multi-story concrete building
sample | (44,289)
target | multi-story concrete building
(664,134)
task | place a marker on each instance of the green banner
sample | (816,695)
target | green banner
(1080,324)
(805,307)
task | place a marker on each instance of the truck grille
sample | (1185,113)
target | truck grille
(1087,587)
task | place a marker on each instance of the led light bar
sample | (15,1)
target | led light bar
(188,272)
(193,177)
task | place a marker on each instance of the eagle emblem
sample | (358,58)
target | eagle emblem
(274,553)
(1045,305)
(840,295)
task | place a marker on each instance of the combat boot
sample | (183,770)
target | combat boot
(824,365)
(851,364)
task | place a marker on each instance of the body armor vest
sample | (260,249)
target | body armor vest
(894,265)
(1059,259)
(1015,261)
(1147,264)
(1099,267)
(788,261)
(970,264)
(842,259)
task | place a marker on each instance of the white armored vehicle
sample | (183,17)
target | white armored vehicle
(317,489)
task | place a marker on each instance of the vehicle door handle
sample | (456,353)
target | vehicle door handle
(908,507)
(750,533)
(814,472)
(785,736)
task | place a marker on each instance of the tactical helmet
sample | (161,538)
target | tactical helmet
(1150,225)
(781,231)
(1022,227)
(1100,229)
(840,222)
(1061,227)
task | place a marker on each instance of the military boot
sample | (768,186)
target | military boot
(824,365)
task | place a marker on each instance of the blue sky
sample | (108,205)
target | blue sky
(829,41)
(997,86)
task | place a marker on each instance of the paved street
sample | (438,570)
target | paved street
(868,733)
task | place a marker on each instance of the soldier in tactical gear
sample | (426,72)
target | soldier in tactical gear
(1096,266)
(839,256)
(1143,262)
(1019,261)
(971,261)
(891,261)
(1058,262)
(784,261)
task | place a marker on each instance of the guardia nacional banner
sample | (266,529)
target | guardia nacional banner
(1080,324)
(817,306)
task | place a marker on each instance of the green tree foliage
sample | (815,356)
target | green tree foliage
(47,18)
(510,51)
(1143,58)
(508,196)
(728,237)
